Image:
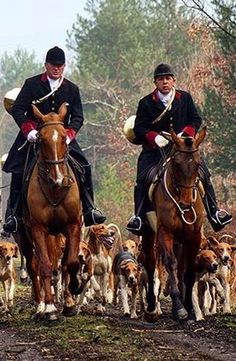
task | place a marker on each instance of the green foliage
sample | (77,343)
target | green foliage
(116,50)
(220,106)
(222,125)
(14,69)
(128,45)
(115,193)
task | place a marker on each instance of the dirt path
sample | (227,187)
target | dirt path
(113,338)
(15,347)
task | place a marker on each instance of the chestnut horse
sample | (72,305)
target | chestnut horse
(53,207)
(179,219)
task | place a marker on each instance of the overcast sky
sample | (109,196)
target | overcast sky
(37,25)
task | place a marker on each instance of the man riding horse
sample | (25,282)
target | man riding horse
(48,91)
(164,108)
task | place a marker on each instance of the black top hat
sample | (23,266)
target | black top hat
(163,69)
(55,56)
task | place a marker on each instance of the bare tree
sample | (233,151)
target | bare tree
(201,7)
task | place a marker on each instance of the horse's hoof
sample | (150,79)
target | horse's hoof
(24,281)
(100,309)
(51,316)
(39,316)
(150,317)
(126,315)
(69,311)
(180,314)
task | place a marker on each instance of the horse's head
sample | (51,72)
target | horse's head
(186,155)
(184,165)
(52,140)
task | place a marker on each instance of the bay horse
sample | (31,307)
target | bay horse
(179,226)
(53,207)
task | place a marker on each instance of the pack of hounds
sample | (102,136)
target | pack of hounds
(112,273)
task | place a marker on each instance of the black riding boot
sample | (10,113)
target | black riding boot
(218,218)
(12,212)
(136,222)
(91,214)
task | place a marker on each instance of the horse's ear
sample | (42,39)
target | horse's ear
(63,110)
(200,136)
(174,137)
(166,135)
(37,113)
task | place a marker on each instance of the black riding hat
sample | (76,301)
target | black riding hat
(55,56)
(163,69)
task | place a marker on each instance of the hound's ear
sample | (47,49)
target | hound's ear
(197,260)
(123,265)
(204,243)
(15,255)
(212,241)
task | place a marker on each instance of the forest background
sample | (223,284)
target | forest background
(115,50)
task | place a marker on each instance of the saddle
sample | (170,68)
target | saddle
(154,176)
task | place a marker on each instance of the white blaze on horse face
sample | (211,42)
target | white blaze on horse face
(59,175)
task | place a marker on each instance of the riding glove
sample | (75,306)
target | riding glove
(161,141)
(32,136)
(70,135)
(68,140)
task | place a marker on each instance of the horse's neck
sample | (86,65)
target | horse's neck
(181,188)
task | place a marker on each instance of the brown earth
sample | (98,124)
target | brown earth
(111,337)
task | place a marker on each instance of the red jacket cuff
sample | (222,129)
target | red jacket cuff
(26,127)
(150,136)
(71,133)
(189,131)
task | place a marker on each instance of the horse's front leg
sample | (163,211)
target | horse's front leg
(32,266)
(70,269)
(191,248)
(150,265)
(166,240)
(39,237)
